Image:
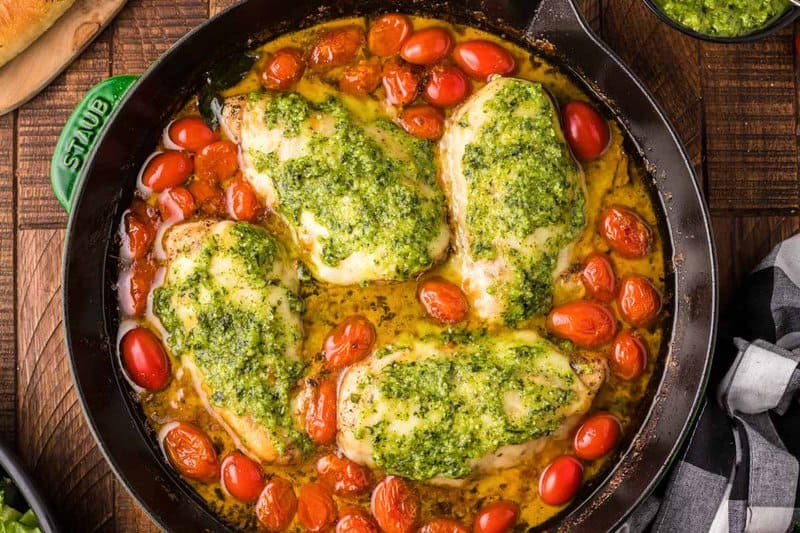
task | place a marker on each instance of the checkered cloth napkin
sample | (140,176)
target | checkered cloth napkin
(739,471)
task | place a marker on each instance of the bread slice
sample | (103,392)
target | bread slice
(23,21)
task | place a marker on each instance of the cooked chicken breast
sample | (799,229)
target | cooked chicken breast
(229,307)
(360,197)
(516,198)
(438,409)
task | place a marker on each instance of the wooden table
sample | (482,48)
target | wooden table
(736,108)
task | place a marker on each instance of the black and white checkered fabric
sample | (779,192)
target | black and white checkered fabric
(739,471)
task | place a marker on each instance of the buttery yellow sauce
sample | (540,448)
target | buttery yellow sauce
(614,178)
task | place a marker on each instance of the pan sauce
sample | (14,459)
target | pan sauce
(613,178)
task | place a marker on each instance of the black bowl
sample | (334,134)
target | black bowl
(30,495)
(761,33)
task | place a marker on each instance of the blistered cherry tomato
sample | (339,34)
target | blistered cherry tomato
(283,69)
(427,46)
(176,204)
(387,34)
(446,86)
(597,436)
(192,453)
(139,235)
(276,505)
(423,121)
(343,475)
(168,169)
(362,78)
(242,477)
(639,301)
(321,413)
(336,48)
(400,82)
(560,480)
(208,197)
(134,286)
(316,509)
(628,356)
(242,201)
(217,161)
(480,59)
(395,505)
(443,300)
(191,133)
(598,277)
(586,131)
(497,517)
(355,520)
(349,342)
(625,231)
(443,525)
(145,360)
(586,324)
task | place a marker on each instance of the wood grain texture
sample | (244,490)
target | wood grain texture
(215,6)
(8,348)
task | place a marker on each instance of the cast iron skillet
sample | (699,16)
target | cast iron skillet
(107,175)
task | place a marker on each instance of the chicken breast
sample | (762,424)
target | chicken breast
(438,409)
(516,198)
(360,197)
(229,308)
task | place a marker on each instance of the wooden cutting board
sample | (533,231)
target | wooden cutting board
(27,74)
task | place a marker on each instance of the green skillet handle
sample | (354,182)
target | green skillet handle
(81,132)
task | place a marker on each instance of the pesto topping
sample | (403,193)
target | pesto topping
(724,18)
(370,185)
(435,411)
(230,311)
(525,199)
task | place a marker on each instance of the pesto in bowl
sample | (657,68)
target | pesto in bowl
(724,18)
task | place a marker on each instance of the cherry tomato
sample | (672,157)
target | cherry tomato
(560,480)
(242,477)
(639,301)
(336,48)
(343,475)
(242,201)
(349,342)
(139,235)
(145,360)
(395,505)
(176,204)
(321,413)
(209,198)
(446,86)
(443,300)
(283,69)
(586,131)
(362,78)
(316,509)
(598,277)
(355,520)
(480,59)
(586,324)
(168,169)
(192,453)
(217,161)
(423,121)
(276,505)
(134,286)
(496,517)
(191,133)
(628,356)
(597,436)
(400,82)
(427,46)
(443,525)
(387,34)
(625,232)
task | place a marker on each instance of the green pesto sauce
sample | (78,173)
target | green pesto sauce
(240,348)
(521,178)
(457,402)
(724,18)
(364,190)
